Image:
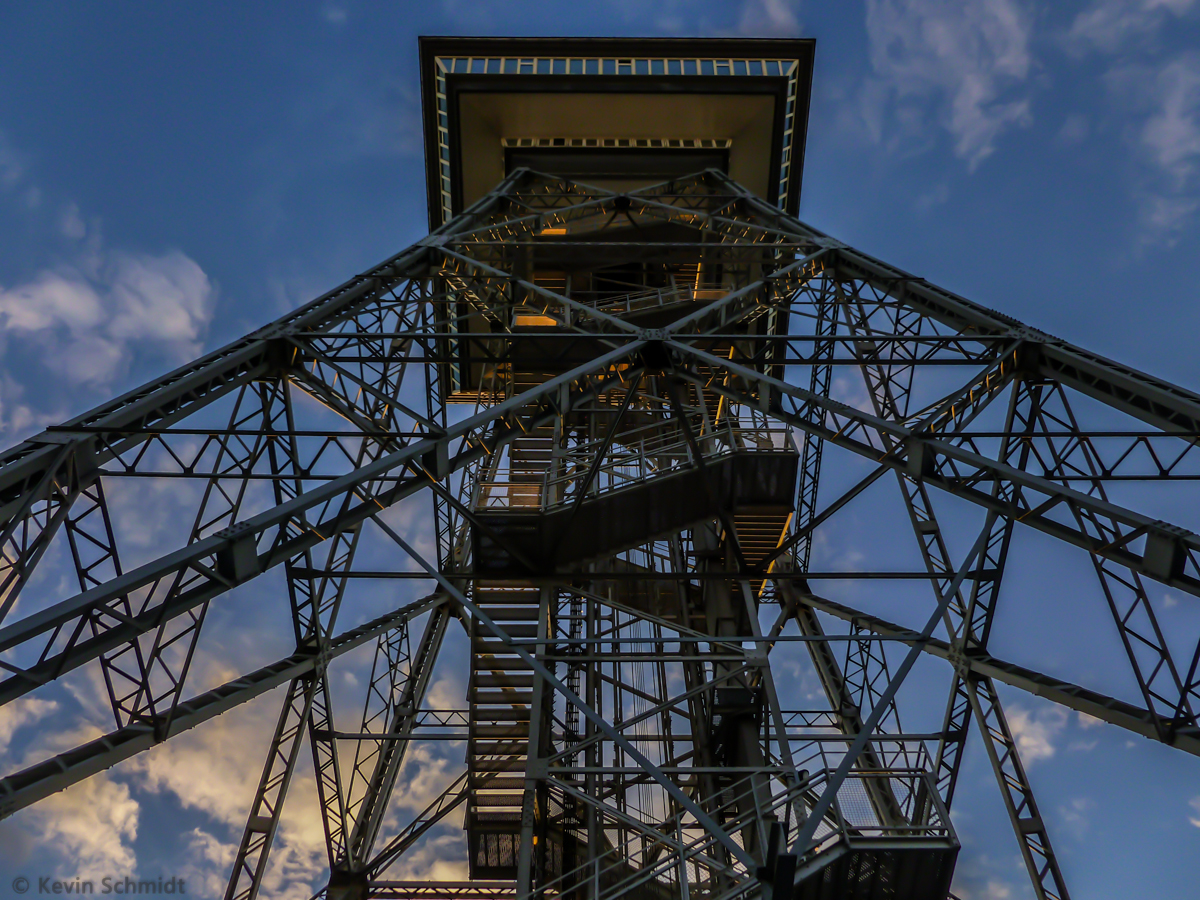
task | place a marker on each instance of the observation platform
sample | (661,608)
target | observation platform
(616,113)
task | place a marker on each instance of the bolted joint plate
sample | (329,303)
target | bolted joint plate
(85,468)
(238,559)
(655,356)
(921,461)
(960,659)
(345,885)
(436,462)
(1166,551)
(827,243)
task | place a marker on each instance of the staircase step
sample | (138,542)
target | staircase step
(521,605)
(494,821)
(501,698)
(514,629)
(492,646)
(500,748)
(498,751)
(515,595)
(480,781)
(506,679)
(495,801)
(499,822)
(501,764)
(503,715)
(500,664)
(502,614)
(515,730)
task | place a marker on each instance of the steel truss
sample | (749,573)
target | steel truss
(582,388)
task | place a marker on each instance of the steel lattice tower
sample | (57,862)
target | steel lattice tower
(606,384)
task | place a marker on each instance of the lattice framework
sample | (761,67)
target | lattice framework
(416,378)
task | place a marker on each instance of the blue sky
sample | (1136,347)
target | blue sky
(173,176)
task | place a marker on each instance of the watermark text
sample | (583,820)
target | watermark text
(112,885)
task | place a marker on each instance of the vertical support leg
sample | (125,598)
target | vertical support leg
(263,820)
(889,396)
(407,690)
(1018,797)
(42,506)
(533,799)
(94,551)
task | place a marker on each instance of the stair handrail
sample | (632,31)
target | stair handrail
(641,457)
(641,454)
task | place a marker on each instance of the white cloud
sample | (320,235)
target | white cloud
(14,175)
(21,712)
(1165,215)
(935,196)
(962,61)
(151,516)
(215,769)
(89,328)
(1075,816)
(1036,732)
(210,861)
(164,298)
(12,164)
(1164,103)
(70,223)
(436,858)
(92,825)
(1171,136)
(852,391)
(769,18)
(992,889)
(413,522)
(334,15)
(1194,803)
(1086,721)
(1075,130)
(425,776)
(86,324)
(1109,25)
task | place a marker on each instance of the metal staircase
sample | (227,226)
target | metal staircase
(500,696)
(632,499)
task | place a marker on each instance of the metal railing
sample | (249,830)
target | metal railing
(925,815)
(636,865)
(637,301)
(636,457)
(501,493)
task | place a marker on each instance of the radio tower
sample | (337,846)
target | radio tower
(606,383)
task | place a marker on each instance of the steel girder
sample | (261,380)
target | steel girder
(43,779)
(968,620)
(790,302)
